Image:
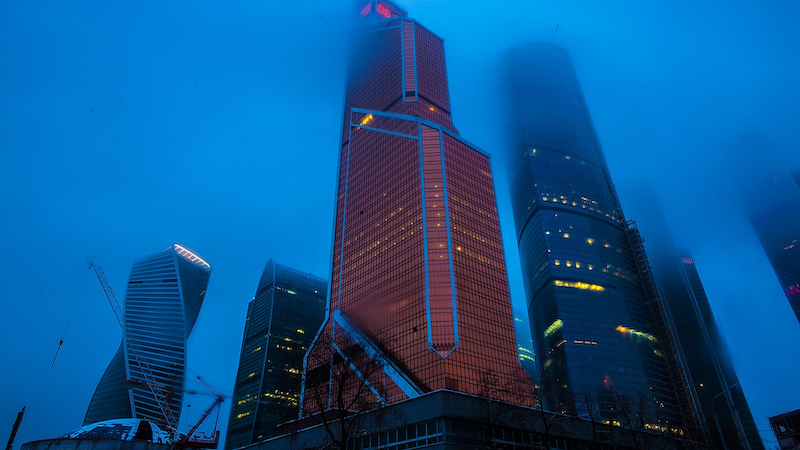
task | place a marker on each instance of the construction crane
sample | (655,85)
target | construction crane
(159,392)
(189,441)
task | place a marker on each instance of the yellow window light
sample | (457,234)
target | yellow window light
(366,119)
(579,285)
(555,326)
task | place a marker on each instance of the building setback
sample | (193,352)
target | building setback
(598,335)
(282,319)
(164,294)
(419,295)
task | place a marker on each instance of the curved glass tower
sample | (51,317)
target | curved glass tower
(593,327)
(164,295)
(282,319)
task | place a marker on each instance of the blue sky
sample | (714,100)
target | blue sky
(125,127)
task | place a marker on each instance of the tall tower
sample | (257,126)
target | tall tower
(596,337)
(712,377)
(163,298)
(282,319)
(775,215)
(717,398)
(419,296)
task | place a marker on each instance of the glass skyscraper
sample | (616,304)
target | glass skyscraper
(282,319)
(718,402)
(592,321)
(418,282)
(711,376)
(775,215)
(163,298)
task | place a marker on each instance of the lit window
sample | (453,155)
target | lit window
(579,285)
(555,326)
(366,119)
(639,334)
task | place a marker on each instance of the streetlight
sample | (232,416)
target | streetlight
(716,421)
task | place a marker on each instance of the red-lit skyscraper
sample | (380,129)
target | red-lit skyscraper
(419,296)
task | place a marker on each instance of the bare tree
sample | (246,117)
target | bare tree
(489,388)
(635,414)
(342,392)
(541,421)
(587,400)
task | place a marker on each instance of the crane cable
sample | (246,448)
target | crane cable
(69,319)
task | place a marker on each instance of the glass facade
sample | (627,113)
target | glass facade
(708,374)
(419,296)
(775,216)
(706,356)
(594,327)
(163,298)
(525,353)
(282,319)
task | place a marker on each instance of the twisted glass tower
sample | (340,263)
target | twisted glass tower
(596,338)
(163,299)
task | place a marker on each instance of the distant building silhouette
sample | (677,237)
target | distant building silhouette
(718,401)
(282,319)
(522,331)
(596,324)
(775,215)
(164,294)
(418,282)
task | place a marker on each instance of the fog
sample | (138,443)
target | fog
(125,128)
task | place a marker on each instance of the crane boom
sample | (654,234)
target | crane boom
(159,392)
(187,441)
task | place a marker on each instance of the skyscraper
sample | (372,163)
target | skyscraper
(717,399)
(707,360)
(522,331)
(775,214)
(595,334)
(419,296)
(164,294)
(282,319)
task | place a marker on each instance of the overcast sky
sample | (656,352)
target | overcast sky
(126,127)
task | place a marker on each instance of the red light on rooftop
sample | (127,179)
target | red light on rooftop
(384,11)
